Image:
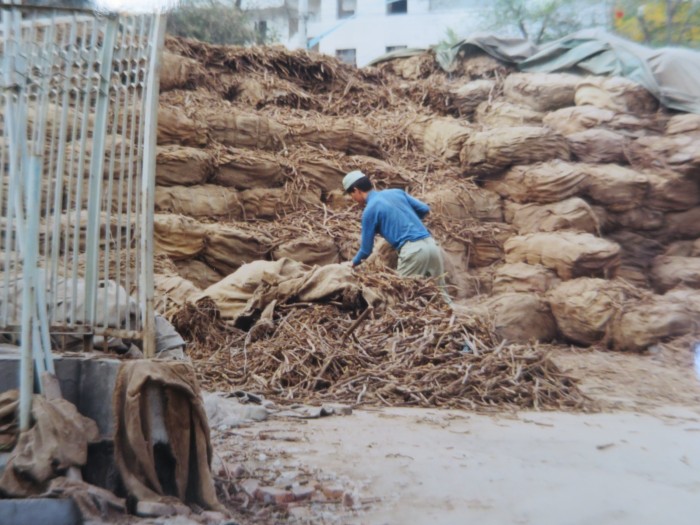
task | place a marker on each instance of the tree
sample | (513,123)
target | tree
(213,21)
(542,20)
(659,22)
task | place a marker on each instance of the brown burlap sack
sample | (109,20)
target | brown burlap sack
(272,203)
(350,136)
(681,225)
(679,153)
(173,291)
(615,187)
(570,254)
(598,146)
(460,282)
(517,317)
(570,214)
(462,201)
(229,247)
(501,114)
(637,255)
(178,237)
(178,165)
(174,127)
(668,272)
(467,97)
(488,153)
(523,278)
(634,126)
(615,93)
(382,174)
(684,123)
(487,244)
(541,91)
(684,248)
(198,272)
(319,172)
(640,219)
(243,169)
(178,72)
(309,250)
(203,200)
(670,191)
(245,130)
(542,183)
(440,136)
(653,320)
(584,307)
(578,118)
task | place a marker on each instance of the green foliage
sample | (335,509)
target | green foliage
(212,21)
(451,38)
(659,22)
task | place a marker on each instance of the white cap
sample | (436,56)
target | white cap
(351,178)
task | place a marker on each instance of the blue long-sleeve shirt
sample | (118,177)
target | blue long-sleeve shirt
(394,215)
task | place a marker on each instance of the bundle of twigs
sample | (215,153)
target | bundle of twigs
(413,352)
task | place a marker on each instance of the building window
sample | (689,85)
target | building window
(347,56)
(396,7)
(346,8)
(389,49)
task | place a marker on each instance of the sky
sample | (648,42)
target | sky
(139,6)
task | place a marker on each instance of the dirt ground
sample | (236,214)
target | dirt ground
(635,461)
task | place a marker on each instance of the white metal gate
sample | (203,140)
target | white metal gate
(79,106)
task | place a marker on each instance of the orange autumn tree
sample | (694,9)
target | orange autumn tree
(659,22)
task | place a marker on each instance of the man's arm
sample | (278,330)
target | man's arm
(421,208)
(369,230)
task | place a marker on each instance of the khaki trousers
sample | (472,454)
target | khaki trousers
(423,258)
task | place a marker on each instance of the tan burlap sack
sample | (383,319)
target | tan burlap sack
(181,165)
(200,273)
(245,130)
(244,169)
(684,123)
(173,291)
(570,214)
(668,272)
(229,247)
(688,298)
(670,191)
(488,153)
(174,127)
(460,282)
(542,183)
(440,136)
(272,203)
(577,118)
(178,237)
(681,225)
(679,153)
(637,255)
(634,126)
(462,201)
(524,278)
(517,317)
(466,98)
(570,254)
(541,91)
(382,174)
(639,219)
(309,250)
(203,200)
(178,72)
(615,93)
(319,172)
(501,114)
(348,135)
(487,246)
(684,248)
(598,146)
(652,320)
(615,187)
(584,307)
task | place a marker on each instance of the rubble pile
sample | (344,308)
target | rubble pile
(567,207)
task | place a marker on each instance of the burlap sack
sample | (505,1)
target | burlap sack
(571,214)
(272,203)
(178,237)
(243,169)
(173,291)
(461,201)
(668,272)
(323,173)
(382,174)
(684,123)
(466,98)
(570,254)
(681,225)
(501,114)
(229,247)
(598,146)
(203,200)
(178,165)
(583,308)
(523,278)
(174,127)
(411,67)
(115,147)
(669,191)
(679,153)
(440,136)
(615,93)
(684,248)
(350,136)
(245,130)
(461,284)
(637,254)
(487,244)
(541,91)
(309,250)
(517,317)
(198,272)
(615,187)
(178,72)
(542,183)
(634,126)
(640,219)
(488,153)
(578,118)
